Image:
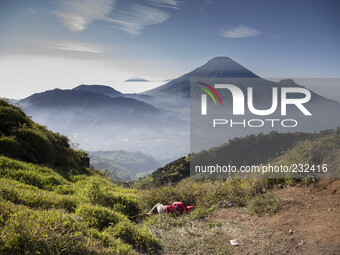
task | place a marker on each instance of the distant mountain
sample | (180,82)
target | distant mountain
(101,89)
(123,165)
(111,92)
(219,67)
(74,110)
(13,101)
(136,79)
(97,121)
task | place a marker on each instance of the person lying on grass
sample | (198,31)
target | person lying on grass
(176,207)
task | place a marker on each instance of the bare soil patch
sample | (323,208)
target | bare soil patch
(308,223)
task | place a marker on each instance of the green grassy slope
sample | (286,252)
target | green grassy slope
(51,203)
(22,139)
(249,150)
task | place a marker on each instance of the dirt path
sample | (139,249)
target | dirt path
(308,223)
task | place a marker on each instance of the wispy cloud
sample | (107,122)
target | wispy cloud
(174,4)
(136,17)
(240,31)
(78,46)
(77,14)
(132,17)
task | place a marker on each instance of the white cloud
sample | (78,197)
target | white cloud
(240,31)
(78,46)
(77,14)
(136,17)
(174,4)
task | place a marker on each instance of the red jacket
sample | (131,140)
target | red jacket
(178,207)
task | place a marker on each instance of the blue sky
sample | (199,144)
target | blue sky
(48,44)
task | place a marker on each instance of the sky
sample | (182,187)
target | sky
(61,44)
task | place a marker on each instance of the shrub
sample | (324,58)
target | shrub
(138,237)
(99,216)
(41,177)
(64,190)
(9,146)
(110,196)
(35,198)
(40,147)
(51,232)
(116,245)
(11,117)
(265,204)
(42,232)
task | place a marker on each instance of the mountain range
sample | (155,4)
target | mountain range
(100,89)
(156,122)
(67,108)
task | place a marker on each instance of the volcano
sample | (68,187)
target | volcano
(218,67)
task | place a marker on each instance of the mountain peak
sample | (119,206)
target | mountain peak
(101,89)
(218,67)
(220,59)
(226,68)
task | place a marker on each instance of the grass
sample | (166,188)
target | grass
(41,212)
(264,204)
(44,212)
(190,234)
(33,197)
(35,175)
(51,232)
(208,193)
(99,216)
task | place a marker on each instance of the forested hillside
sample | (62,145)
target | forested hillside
(122,165)
(249,150)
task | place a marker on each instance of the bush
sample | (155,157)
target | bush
(41,177)
(9,146)
(115,198)
(99,216)
(11,117)
(138,237)
(265,204)
(40,147)
(49,232)
(35,198)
